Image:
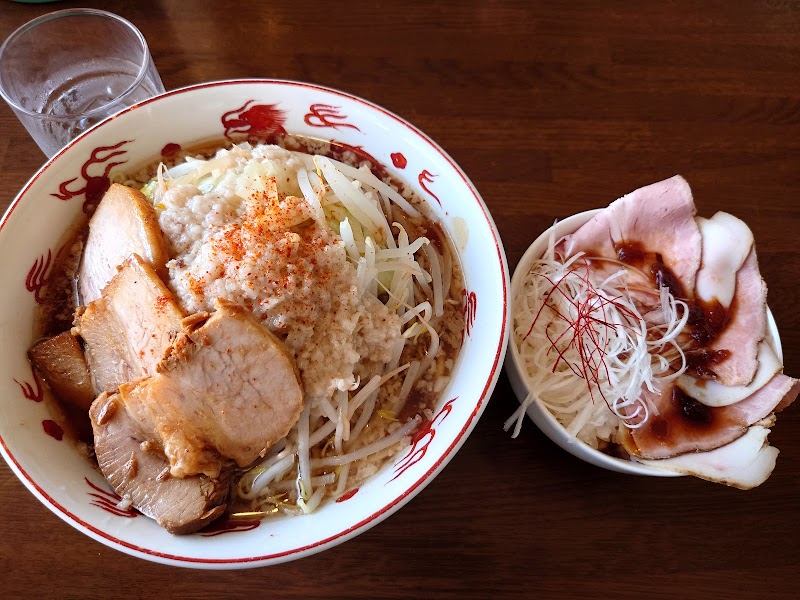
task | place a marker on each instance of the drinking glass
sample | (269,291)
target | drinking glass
(64,71)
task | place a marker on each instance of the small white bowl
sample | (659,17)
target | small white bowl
(51,202)
(537,412)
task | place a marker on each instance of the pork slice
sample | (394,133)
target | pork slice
(745,329)
(60,361)
(124,223)
(227,389)
(713,393)
(683,425)
(727,242)
(137,469)
(128,329)
(744,463)
(660,217)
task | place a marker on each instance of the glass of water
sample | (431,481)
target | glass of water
(65,71)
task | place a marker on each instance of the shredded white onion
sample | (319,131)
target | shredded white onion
(588,353)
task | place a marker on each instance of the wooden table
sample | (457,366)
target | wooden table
(550,109)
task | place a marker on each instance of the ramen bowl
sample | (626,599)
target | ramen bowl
(520,381)
(32,439)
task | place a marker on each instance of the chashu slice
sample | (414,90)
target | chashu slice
(660,217)
(128,328)
(124,223)
(61,362)
(726,241)
(681,424)
(746,328)
(227,389)
(137,469)
(745,463)
(729,277)
(714,393)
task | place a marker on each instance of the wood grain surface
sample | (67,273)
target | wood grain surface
(551,108)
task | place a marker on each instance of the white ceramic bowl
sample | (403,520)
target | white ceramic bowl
(52,200)
(537,412)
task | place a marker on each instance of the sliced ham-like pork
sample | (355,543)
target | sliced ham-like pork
(124,223)
(128,329)
(744,463)
(682,424)
(654,229)
(726,242)
(658,217)
(714,393)
(138,470)
(227,390)
(746,327)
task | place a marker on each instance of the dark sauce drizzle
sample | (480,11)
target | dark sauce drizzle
(686,417)
(707,320)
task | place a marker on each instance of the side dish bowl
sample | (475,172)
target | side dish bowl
(536,411)
(31,439)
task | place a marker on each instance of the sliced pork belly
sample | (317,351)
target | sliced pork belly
(713,393)
(745,329)
(124,223)
(712,260)
(137,469)
(228,389)
(726,243)
(659,217)
(61,363)
(682,424)
(744,463)
(128,329)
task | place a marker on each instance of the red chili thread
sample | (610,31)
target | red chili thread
(584,331)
